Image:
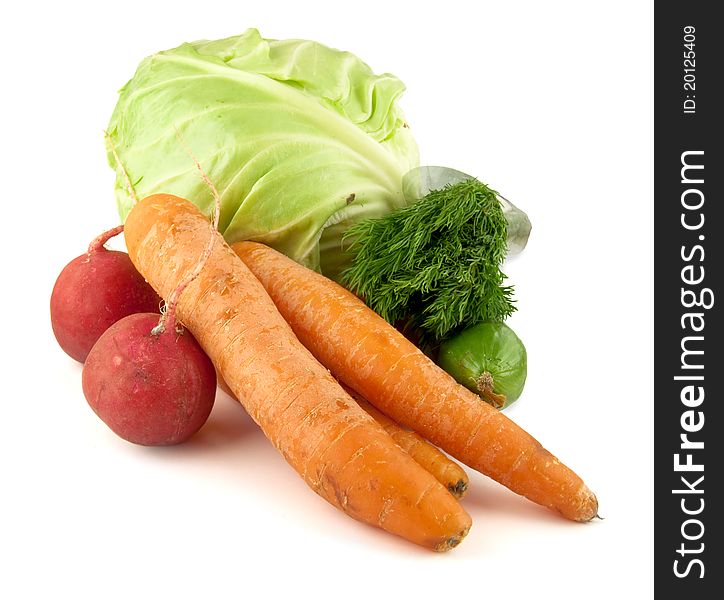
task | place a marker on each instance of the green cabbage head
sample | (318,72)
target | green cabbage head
(300,140)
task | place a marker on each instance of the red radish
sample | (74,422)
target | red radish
(94,291)
(151,388)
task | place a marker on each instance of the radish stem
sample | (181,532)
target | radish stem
(98,243)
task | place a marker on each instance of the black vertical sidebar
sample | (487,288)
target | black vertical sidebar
(688,366)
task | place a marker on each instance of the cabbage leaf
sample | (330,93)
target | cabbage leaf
(301,140)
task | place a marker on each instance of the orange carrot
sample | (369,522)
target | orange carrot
(365,352)
(339,450)
(446,471)
(223,385)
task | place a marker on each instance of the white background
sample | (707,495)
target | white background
(549,102)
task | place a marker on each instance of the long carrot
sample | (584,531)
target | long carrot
(373,358)
(446,471)
(339,450)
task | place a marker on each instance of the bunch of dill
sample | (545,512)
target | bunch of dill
(434,265)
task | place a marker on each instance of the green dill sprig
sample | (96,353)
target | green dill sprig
(434,265)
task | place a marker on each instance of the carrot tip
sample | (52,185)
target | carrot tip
(589,506)
(458,489)
(452,541)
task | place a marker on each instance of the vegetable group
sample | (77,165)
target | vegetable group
(339,450)
(314,158)
(374,359)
